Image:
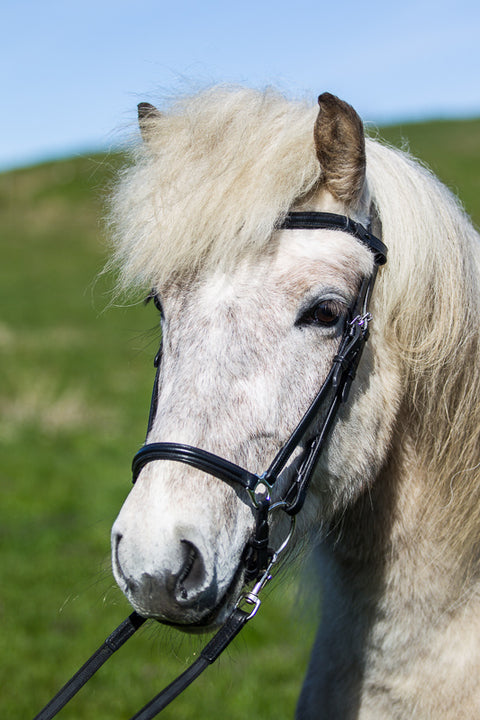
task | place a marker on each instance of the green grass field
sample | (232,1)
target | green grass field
(76,380)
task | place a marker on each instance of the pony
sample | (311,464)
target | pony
(251,315)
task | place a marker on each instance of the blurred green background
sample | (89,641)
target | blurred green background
(76,376)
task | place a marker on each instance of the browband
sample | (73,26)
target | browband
(329,221)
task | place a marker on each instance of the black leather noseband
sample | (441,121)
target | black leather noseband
(333,392)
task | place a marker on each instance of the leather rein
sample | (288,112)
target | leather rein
(309,437)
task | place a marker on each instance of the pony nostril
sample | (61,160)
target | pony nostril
(116,538)
(192,574)
(130,585)
(166,591)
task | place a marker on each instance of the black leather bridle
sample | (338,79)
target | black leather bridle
(309,437)
(333,392)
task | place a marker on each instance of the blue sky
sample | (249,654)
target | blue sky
(73,72)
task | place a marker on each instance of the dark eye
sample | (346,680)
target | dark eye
(325,314)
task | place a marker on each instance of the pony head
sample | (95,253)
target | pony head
(252,316)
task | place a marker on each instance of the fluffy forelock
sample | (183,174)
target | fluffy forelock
(219,170)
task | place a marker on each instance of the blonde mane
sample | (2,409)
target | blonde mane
(220,170)
(428,301)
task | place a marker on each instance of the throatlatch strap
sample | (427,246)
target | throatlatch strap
(113,642)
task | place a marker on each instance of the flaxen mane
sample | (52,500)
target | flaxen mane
(429,304)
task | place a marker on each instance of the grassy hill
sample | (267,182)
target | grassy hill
(451,149)
(76,379)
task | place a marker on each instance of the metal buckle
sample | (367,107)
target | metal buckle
(362,321)
(261,492)
(251,597)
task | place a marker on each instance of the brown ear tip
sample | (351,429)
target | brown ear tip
(145,110)
(326,97)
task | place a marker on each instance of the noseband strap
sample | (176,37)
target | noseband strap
(200,459)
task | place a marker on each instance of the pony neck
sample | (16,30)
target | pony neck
(398,529)
(399,604)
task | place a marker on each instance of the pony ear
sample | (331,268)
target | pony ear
(340,145)
(146,115)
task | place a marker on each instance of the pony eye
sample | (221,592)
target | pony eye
(325,314)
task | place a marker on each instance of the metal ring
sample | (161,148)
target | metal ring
(278,504)
(289,535)
(253,492)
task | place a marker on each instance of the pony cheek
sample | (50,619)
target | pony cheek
(360,442)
